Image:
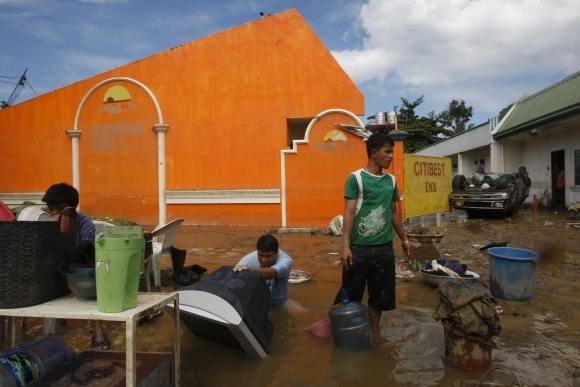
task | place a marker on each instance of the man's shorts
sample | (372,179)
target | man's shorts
(373,266)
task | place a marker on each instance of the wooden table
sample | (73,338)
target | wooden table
(73,307)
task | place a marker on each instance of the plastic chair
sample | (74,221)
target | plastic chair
(34,213)
(168,232)
(100,226)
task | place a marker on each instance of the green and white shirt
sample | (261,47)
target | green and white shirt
(374,195)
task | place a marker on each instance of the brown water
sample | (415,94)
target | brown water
(540,345)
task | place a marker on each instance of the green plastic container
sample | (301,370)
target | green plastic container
(118,261)
(492,178)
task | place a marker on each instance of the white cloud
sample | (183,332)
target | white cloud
(463,48)
(79,66)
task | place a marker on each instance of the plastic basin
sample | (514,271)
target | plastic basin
(83,284)
(512,272)
(320,328)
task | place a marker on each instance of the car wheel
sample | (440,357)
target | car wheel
(458,183)
(508,183)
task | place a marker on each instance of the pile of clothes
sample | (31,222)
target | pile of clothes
(470,307)
(443,267)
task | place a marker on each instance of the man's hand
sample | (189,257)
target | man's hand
(241,267)
(407,250)
(346,257)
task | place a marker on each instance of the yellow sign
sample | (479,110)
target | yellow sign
(427,185)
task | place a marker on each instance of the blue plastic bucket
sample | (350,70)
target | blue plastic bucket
(512,272)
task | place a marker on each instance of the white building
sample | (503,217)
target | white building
(540,131)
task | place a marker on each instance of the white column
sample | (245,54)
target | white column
(161,129)
(496,156)
(76,177)
(460,163)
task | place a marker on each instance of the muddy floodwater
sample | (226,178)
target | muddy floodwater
(539,341)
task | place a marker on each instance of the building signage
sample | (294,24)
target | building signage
(427,185)
(115,128)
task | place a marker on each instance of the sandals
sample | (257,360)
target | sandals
(154,316)
(100,341)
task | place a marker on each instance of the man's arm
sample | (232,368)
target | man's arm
(400,230)
(347,225)
(250,262)
(265,272)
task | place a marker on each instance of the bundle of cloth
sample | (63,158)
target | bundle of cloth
(442,267)
(468,306)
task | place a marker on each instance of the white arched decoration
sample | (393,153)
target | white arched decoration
(294,150)
(160,128)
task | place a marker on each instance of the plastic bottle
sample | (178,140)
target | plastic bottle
(351,328)
(27,362)
(51,351)
(6,377)
(344,299)
(17,368)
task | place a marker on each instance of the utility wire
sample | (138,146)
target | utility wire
(21,83)
(32,88)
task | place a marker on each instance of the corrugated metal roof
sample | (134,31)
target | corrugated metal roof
(556,102)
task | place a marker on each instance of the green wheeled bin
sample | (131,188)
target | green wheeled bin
(118,261)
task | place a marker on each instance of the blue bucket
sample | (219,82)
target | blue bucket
(512,272)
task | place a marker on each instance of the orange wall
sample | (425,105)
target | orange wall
(118,154)
(316,174)
(226,99)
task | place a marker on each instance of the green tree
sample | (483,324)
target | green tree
(456,115)
(423,131)
(504,111)
(4,104)
(408,108)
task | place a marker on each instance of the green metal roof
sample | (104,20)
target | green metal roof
(557,102)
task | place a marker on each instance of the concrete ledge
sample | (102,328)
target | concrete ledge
(16,199)
(311,230)
(223,196)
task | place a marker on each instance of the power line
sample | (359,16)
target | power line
(22,83)
(32,88)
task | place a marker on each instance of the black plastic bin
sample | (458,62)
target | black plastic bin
(30,255)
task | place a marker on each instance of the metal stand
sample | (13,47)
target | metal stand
(73,307)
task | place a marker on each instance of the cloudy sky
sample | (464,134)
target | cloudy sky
(486,52)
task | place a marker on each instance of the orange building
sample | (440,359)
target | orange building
(237,128)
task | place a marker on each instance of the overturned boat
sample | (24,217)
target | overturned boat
(229,308)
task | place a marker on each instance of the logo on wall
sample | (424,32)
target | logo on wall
(334,136)
(117,125)
(116,94)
